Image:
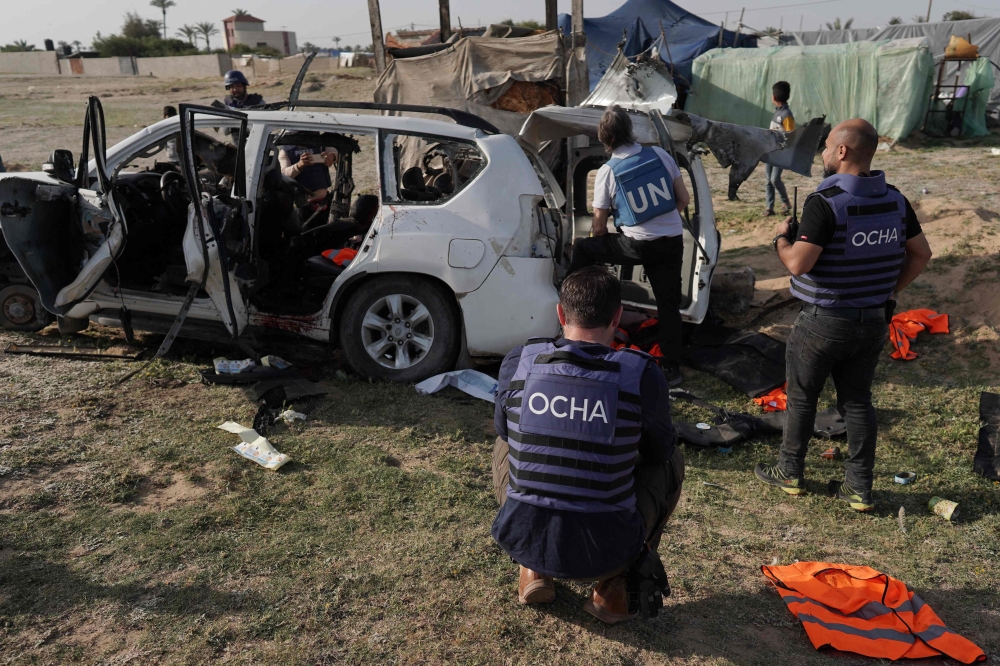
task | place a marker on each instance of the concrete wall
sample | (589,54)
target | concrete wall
(185,67)
(29,62)
(254,68)
(118,66)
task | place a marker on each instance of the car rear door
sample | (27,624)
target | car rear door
(65,235)
(218,240)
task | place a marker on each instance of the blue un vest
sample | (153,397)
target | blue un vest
(644,188)
(313,177)
(859,267)
(573,426)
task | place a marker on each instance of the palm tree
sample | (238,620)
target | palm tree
(896,20)
(836,24)
(240,12)
(23,45)
(336,43)
(207,29)
(163,5)
(190,33)
(920,19)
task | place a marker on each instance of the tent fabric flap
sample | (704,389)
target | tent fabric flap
(686,36)
(887,83)
(473,73)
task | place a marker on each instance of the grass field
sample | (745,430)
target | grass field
(131,533)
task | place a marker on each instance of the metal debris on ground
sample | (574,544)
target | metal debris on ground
(65,351)
(285,390)
(228,367)
(943,507)
(255,447)
(832,454)
(902,519)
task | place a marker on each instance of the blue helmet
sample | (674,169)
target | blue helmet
(235,76)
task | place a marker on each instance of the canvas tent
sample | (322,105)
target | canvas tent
(888,83)
(687,36)
(984,33)
(499,79)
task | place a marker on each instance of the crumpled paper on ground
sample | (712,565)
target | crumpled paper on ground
(288,416)
(475,383)
(255,447)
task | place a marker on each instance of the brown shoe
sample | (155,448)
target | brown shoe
(534,588)
(609,601)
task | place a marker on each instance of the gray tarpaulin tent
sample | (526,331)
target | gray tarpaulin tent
(475,72)
(984,33)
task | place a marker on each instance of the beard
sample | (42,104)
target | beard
(829,170)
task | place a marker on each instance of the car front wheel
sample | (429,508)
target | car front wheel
(21,309)
(400,329)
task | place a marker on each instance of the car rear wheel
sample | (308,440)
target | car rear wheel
(400,329)
(21,309)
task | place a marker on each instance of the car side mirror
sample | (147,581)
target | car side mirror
(60,165)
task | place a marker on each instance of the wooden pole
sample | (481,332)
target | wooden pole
(739,28)
(578,36)
(551,14)
(929,3)
(445,11)
(375,16)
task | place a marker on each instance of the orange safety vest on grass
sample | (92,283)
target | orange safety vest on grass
(861,610)
(775,401)
(906,325)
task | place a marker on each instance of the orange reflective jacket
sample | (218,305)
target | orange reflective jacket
(341,257)
(906,325)
(775,401)
(859,609)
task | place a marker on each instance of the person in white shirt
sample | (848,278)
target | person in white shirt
(642,187)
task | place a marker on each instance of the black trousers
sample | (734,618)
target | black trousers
(661,259)
(848,350)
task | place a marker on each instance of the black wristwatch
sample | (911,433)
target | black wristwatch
(774,242)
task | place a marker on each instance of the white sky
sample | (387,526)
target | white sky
(318,21)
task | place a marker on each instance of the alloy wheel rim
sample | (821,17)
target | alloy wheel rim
(397,331)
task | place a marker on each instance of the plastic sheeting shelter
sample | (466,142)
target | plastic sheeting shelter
(475,72)
(979,81)
(887,83)
(687,36)
(983,32)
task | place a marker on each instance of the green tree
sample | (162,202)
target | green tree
(336,42)
(18,46)
(895,20)
(308,47)
(140,38)
(959,15)
(240,12)
(190,33)
(837,26)
(530,23)
(207,29)
(135,27)
(920,19)
(163,6)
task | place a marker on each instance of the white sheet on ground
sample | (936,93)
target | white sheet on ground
(255,447)
(474,383)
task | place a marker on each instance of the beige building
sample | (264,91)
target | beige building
(249,30)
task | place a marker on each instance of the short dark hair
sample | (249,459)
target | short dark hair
(781,90)
(590,297)
(169,112)
(615,128)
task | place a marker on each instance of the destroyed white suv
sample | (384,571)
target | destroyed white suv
(461,233)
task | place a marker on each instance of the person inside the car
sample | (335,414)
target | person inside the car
(309,168)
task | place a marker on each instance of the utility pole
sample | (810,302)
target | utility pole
(375,16)
(578,36)
(739,28)
(929,3)
(551,15)
(801,17)
(445,11)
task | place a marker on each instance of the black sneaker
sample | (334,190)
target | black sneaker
(773,475)
(673,375)
(860,500)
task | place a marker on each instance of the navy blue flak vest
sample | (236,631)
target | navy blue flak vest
(312,177)
(644,188)
(573,422)
(860,265)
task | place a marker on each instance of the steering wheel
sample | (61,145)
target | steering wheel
(172,192)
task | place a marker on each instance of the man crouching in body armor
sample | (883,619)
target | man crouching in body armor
(586,466)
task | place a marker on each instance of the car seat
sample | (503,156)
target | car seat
(414,189)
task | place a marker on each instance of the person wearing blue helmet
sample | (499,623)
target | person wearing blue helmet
(237,85)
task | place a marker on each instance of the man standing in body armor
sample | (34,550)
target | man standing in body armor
(643,188)
(238,97)
(858,244)
(586,465)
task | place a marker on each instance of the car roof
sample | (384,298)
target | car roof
(403,123)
